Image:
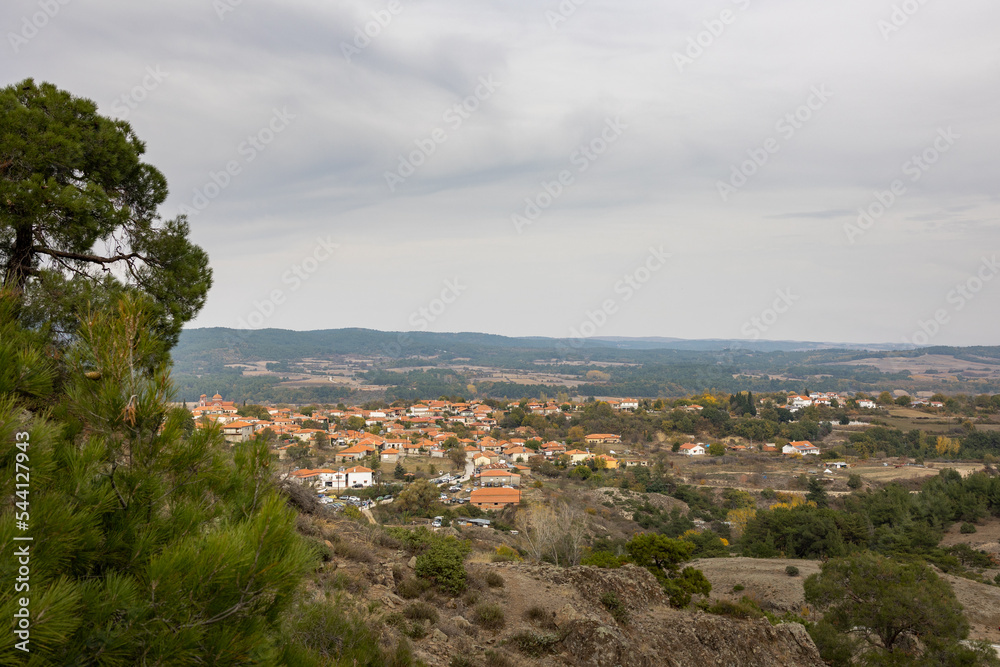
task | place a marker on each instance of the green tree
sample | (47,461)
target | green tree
(157,548)
(72,181)
(663,557)
(817,493)
(717,449)
(885,602)
(854,481)
(417,498)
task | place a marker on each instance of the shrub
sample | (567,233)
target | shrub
(742,609)
(967,528)
(533,644)
(604,559)
(615,606)
(417,630)
(494,659)
(489,616)
(792,571)
(421,611)
(494,580)
(854,481)
(536,614)
(471,598)
(505,554)
(443,563)
(353,551)
(460,661)
(411,588)
(738,587)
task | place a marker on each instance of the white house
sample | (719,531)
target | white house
(866,403)
(337,480)
(693,449)
(803,447)
(799,401)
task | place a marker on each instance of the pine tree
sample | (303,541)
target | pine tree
(148,547)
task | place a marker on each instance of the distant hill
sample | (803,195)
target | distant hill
(349,364)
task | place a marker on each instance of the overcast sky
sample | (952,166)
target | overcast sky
(590,167)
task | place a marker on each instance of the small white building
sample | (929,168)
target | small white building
(693,449)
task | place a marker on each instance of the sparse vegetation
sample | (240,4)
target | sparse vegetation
(532,644)
(615,607)
(489,616)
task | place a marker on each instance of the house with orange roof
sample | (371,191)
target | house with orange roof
(803,447)
(499,478)
(693,449)
(237,431)
(355,453)
(485,458)
(603,439)
(518,453)
(489,498)
(390,455)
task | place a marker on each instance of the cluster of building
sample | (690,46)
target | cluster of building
(407,432)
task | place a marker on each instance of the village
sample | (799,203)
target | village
(361,443)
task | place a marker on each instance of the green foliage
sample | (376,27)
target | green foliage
(893,600)
(317,632)
(817,493)
(73,181)
(742,609)
(662,556)
(716,449)
(601,558)
(158,548)
(803,532)
(443,563)
(792,571)
(967,528)
(854,481)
